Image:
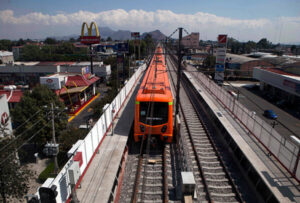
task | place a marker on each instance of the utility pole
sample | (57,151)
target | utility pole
(91,52)
(178,70)
(54,140)
(139,50)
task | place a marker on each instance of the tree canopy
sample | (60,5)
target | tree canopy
(38,102)
(13,177)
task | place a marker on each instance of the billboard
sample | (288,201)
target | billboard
(123,47)
(222,39)
(5,121)
(220,57)
(52,82)
(220,67)
(135,34)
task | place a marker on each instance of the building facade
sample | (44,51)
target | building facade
(6,57)
(191,41)
(21,73)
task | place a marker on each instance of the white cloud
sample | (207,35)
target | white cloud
(283,29)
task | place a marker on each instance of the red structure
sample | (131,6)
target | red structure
(73,89)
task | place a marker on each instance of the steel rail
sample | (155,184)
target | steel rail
(193,99)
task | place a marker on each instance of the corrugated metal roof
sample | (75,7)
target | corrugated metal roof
(234,58)
(15,97)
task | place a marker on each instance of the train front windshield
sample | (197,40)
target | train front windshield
(159,115)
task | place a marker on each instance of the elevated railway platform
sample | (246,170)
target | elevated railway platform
(253,155)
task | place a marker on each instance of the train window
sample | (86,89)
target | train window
(160,113)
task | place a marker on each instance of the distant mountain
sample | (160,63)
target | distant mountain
(121,35)
(106,32)
(65,38)
(156,35)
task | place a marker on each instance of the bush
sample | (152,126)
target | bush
(48,172)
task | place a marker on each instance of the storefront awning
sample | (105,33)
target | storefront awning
(72,90)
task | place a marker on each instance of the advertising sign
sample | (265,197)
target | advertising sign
(90,38)
(220,59)
(51,82)
(220,67)
(222,39)
(5,121)
(135,34)
(123,47)
(85,70)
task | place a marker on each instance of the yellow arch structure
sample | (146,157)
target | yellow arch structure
(89,28)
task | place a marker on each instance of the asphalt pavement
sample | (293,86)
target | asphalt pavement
(86,114)
(286,124)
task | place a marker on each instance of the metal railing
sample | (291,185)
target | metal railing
(281,147)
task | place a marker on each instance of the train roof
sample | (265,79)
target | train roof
(156,86)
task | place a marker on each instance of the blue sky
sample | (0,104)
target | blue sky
(264,16)
(242,9)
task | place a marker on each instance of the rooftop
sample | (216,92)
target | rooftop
(281,72)
(13,96)
(5,53)
(234,58)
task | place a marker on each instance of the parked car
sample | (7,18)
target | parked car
(270,114)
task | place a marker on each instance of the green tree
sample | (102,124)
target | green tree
(13,177)
(50,40)
(209,61)
(6,44)
(293,49)
(38,102)
(30,53)
(109,39)
(264,44)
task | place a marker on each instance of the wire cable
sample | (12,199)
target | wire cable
(14,151)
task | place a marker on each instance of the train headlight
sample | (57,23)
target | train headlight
(163,129)
(142,128)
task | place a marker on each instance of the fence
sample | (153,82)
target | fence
(285,151)
(93,139)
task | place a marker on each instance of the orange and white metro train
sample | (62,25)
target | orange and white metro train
(154,102)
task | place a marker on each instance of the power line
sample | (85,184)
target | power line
(23,144)
(4,147)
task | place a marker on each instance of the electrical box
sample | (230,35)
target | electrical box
(188,183)
(74,173)
(51,149)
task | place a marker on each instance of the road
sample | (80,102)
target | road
(83,117)
(287,124)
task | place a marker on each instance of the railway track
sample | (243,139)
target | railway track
(147,176)
(150,182)
(213,181)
